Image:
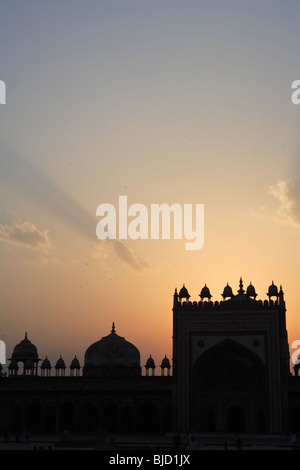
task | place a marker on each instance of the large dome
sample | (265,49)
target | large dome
(112,356)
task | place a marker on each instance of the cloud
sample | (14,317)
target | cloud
(32,182)
(258,214)
(27,235)
(115,247)
(29,180)
(287,194)
(128,256)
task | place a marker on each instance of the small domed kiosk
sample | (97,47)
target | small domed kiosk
(26,353)
(60,367)
(165,364)
(184,293)
(250,292)
(205,293)
(227,292)
(272,291)
(46,367)
(150,364)
(75,367)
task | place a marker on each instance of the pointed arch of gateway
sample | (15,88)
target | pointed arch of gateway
(228,392)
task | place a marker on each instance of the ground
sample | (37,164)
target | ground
(153,443)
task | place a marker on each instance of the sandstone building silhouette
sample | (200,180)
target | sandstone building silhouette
(230,373)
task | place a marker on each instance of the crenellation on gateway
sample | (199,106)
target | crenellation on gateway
(244,299)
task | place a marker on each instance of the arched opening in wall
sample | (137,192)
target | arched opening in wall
(260,420)
(110,421)
(295,420)
(34,418)
(66,417)
(236,419)
(126,420)
(88,419)
(210,420)
(17,419)
(227,373)
(148,418)
(167,419)
(50,419)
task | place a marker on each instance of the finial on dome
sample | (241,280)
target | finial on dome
(113,330)
(241,290)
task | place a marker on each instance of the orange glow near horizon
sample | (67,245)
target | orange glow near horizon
(163,104)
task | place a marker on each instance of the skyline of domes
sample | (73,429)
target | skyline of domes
(113,355)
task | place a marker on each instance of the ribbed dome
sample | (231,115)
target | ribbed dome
(205,293)
(251,291)
(183,293)
(60,364)
(165,363)
(25,350)
(46,363)
(150,363)
(273,290)
(227,292)
(75,363)
(112,356)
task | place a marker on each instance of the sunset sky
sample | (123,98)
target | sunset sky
(161,101)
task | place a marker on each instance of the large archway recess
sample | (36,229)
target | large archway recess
(228,390)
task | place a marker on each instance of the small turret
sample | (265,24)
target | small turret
(250,292)
(150,364)
(60,367)
(272,291)
(205,293)
(165,364)
(227,292)
(183,293)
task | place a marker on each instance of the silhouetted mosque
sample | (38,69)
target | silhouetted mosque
(230,373)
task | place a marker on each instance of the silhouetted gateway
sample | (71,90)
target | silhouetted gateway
(231,362)
(231,374)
